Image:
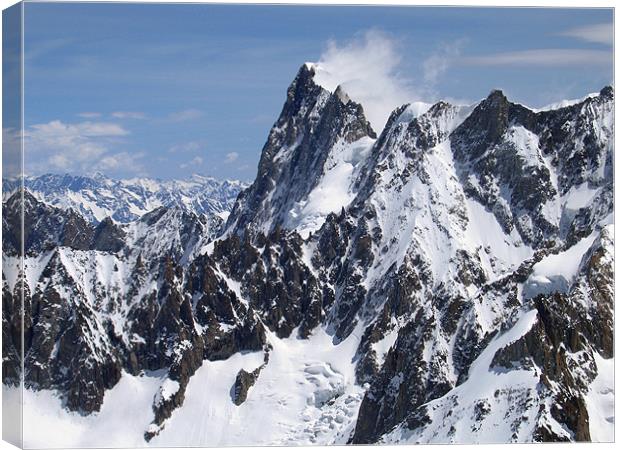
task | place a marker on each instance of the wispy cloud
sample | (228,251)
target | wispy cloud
(553,57)
(261,119)
(82,146)
(129,162)
(437,64)
(115,115)
(231,157)
(196,161)
(58,131)
(89,115)
(186,147)
(41,47)
(601,33)
(186,114)
(128,115)
(367,68)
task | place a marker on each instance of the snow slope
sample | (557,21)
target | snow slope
(305,395)
(556,272)
(334,191)
(482,409)
(601,401)
(118,424)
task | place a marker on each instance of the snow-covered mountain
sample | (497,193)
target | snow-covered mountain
(123,201)
(448,280)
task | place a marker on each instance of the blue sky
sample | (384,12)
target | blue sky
(171,90)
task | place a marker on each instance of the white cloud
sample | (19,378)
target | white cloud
(192,146)
(74,142)
(186,114)
(543,57)
(11,147)
(438,63)
(59,161)
(126,161)
(196,161)
(367,69)
(89,115)
(70,147)
(601,33)
(128,115)
(231,157)
(57,130)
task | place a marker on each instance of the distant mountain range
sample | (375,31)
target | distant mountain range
(123,201)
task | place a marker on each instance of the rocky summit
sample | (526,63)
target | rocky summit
(447,280)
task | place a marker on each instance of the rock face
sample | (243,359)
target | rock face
(314,128)
(497,162)
(243,382)
(468,248)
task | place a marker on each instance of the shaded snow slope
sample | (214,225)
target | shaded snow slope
(334,190)
(484,408)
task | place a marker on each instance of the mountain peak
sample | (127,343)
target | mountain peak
(342,95)
(484,126)
(317,131)
(308,67)
(99,176)
(302,89)
(304,78)
(607,92)
(496,97)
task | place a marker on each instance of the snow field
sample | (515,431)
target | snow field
(305,394)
